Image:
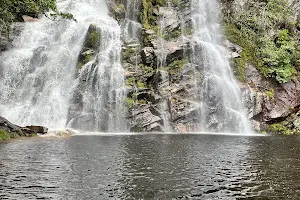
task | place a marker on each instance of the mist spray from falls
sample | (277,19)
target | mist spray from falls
(39,78)
(221,109)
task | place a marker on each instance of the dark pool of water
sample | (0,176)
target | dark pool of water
(151,167)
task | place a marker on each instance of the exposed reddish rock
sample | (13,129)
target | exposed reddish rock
(38,129)
(29,19)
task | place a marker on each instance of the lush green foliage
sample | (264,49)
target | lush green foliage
(4,135)
(266,32)
(94,39)
(280,128)
(176,66)
(13,10)
(279,55)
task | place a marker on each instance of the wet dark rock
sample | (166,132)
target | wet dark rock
(116,9)
(148,57)
(161,79)
(172,50)
(184,111)
(268,102)
(170,19)
(143,119)
(253,101)
(234,50)
(38,129)
(147,96)
(4,42)
(284,97)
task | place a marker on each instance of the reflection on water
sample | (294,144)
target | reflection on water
(151,167)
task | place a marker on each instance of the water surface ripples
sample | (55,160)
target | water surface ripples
(151,167)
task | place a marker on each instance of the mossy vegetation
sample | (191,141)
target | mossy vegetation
(146,69)
(149,19)
(133,82)
(130,81)
(94,39)
(129,102)
(268,37)
(248,55)
(129,52)
(4,135)
(172,35)
(289,126)
(271,93)
(147,16)
(176,66)
(280,128)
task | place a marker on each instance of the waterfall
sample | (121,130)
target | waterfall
(39,74)
(221,108)
(131,28)
(161,65)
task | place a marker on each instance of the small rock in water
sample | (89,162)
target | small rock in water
(38,129)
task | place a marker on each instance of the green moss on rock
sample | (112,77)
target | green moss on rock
(94,38)
(176,66)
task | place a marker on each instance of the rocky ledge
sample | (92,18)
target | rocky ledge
(9,130)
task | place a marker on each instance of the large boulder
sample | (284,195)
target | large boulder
(286,99)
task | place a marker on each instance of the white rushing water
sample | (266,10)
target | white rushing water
(220,98)
(38,76)
(131,28)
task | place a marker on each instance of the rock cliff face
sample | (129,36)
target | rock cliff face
(160,75)
(162,80)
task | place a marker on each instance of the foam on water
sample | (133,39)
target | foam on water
(78,133)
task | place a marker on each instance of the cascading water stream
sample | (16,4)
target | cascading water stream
(221,109)
(39,72)
(161,64)
(131,28)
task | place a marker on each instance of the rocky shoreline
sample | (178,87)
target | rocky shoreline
(9,130)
